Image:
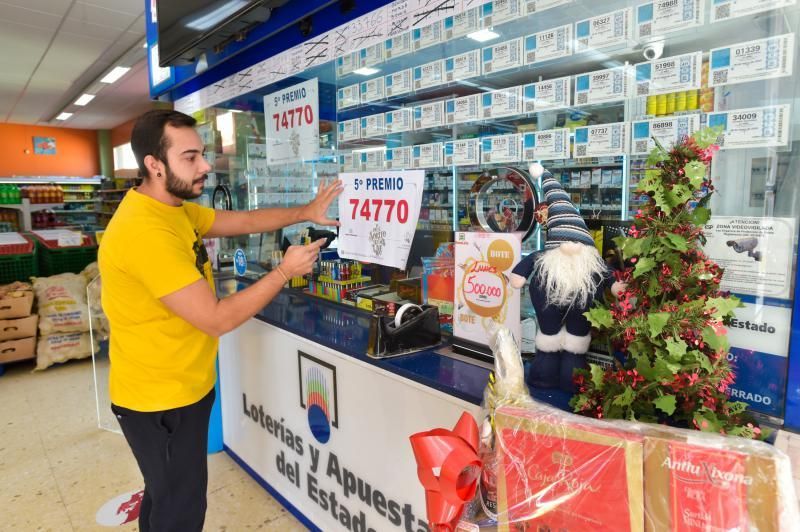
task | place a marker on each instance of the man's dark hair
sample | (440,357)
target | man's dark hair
(148,137)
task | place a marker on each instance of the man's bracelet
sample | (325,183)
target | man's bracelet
(278,268)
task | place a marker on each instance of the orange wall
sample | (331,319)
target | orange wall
(122,133)
(77,152)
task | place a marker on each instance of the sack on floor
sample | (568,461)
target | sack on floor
(62,347)
(62,303)
(100,324)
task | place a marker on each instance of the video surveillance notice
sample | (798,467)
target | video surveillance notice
(756,253)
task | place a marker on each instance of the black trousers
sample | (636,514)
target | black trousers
(170,447)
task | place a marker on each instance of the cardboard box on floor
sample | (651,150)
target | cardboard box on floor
(15,350)
(18,328)
(16,307)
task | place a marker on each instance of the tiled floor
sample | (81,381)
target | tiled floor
(57,468)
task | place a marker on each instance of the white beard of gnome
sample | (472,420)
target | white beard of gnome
(565,280)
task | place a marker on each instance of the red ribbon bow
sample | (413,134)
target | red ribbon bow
(454,453)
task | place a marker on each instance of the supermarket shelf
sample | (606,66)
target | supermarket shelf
(31,207)
(112,201)
(74,211)
(113,190)
(49,180)
(81,200)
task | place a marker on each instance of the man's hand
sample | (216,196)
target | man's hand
(298,260)
(317,211)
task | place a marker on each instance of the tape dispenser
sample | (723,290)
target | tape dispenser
(413,328)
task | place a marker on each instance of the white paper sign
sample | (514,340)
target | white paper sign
(400,120)
(463,110)
(462,24)
(671,74)
(371,56)
(500,11)
(728,9)
(537,6)
(398,45)
(753,128)
(550,94)
(502,56)
(503,102)
(349,130)
(605,30)
(8,239)
(372,160)
(463,66)
(427,155)
(602,86)
(548,44)
(429,75)
(427,36)
(664,16)
(292,123)
(483,295)
(466,152)
(372,90)
(668,132)
(373,126)
(398,158)
(762,328)
(429,115)
(546,145)
(755,252)
(601,140)
(398,83)
(69,239)
(346,64)
(378,212)
(501,149)
(753,60)
(348,96)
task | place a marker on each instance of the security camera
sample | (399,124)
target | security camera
(746,245)
(653,50)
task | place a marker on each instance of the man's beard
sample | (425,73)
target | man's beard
(179,188)
(569,279)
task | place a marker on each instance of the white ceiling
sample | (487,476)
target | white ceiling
(52,50)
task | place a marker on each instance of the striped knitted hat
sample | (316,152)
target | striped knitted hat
(564,222)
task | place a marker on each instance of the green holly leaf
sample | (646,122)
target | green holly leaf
(657,155)
(645,369)
(632,247)
(651,182)
(736,407)
(722,306)
(676,348)
(666,403)
(707,136)
(714,341)
(625,399)
(707,420)
(665,370)
(703,360)
(676,242)
(662,201)
(599,317)
(700,216)
(597,375)
(656,321)
(644,265)
(679,195)
(695,171)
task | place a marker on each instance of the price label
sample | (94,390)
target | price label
(604,30)
(602,86)
(349,130)
(548,44)
(753,128)
(398,45)
(665,16)
(601,140)
(429,115)
(399,120)
(545,95)
(503,102)
(427,155)
(462,24)
(753,60)
(373,126)
(463,110)
(546,145)
(501,149)
(668,132)
(398,158)
(371,55)
(671,74)
(346,64)
(502,56)
(537,6)
(378,212)
(466,152)
(68,238)
(427,36)
(728,9)
(500,11)
(372,90)
(463,66)
(292,123)
(350,162)
(372,160)
(348,96)
(398,83)
(429,75)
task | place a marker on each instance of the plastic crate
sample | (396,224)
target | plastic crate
(18,262)
(71,259)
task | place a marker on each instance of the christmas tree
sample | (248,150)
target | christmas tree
(668,325)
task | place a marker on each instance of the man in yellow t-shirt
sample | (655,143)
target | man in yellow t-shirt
(158,294)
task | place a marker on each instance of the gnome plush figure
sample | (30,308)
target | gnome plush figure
(565,280)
